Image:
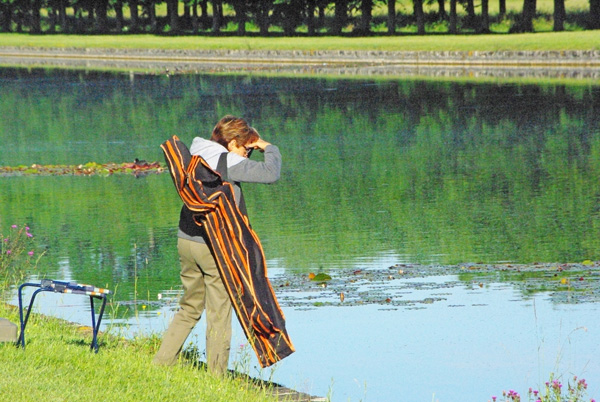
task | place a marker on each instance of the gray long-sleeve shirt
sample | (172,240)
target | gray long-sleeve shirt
(239,169)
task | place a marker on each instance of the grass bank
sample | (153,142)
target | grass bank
(58,365)
(583,40)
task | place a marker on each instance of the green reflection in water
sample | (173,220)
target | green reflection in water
(375,172)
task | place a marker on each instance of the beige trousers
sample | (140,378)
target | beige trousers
(202,289)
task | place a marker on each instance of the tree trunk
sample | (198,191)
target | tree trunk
(216,20)
(263,18)
(76,15)
(453,18)
(559,15)
(441,10)
(321,18)
(18,17)
(195,25)
(152,14)
(173,16)
(62,16)
(391,25)
(470,22)
(90,16)
(501,9)
(419,16)
(290,19)
(135,18)
(101,9)
(240,17)
(35,24)
(341,13)
(366,11)
(119,15)
(52,19)
(6,16)
(204,8)
(529,8)
(594,14)
(485,16)
(310,16)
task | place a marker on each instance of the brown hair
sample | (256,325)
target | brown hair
(231,128)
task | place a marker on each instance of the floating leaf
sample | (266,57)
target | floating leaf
(588,262)
(320,277)
(137,168)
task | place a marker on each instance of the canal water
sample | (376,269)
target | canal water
(413,181)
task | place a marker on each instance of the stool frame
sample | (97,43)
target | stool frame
(47,285)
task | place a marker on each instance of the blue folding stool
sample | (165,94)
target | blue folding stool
(47,285)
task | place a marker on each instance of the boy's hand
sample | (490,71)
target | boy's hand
(258,144)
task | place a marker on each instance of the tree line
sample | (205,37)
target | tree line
(290,17)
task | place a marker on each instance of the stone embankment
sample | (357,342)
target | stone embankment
(568,64)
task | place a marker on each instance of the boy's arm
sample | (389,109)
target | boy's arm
(251,171)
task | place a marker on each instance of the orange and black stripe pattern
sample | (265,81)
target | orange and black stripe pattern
(236,248)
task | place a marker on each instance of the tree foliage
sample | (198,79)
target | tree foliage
(270,17)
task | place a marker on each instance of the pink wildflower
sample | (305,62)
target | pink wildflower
(29,234)
(30,253)
(8,252)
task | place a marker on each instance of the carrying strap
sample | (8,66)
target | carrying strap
(222,169)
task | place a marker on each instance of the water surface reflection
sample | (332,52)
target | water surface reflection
(376,173)
(453,340)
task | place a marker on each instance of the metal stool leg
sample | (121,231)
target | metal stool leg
(23,322)
(96,325)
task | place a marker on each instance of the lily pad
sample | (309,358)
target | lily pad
(137,167)
(320,277)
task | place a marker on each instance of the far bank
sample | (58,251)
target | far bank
(546,41)
(501,64)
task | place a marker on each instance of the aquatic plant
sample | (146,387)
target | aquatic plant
(553,391)
(137,167)
(17,254)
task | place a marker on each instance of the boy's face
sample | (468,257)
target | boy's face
(237,149)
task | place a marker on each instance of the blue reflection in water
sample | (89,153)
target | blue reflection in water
(470,343)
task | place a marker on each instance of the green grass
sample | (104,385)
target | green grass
(582,40)
(58,365)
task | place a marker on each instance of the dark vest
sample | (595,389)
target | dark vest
(186,217)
